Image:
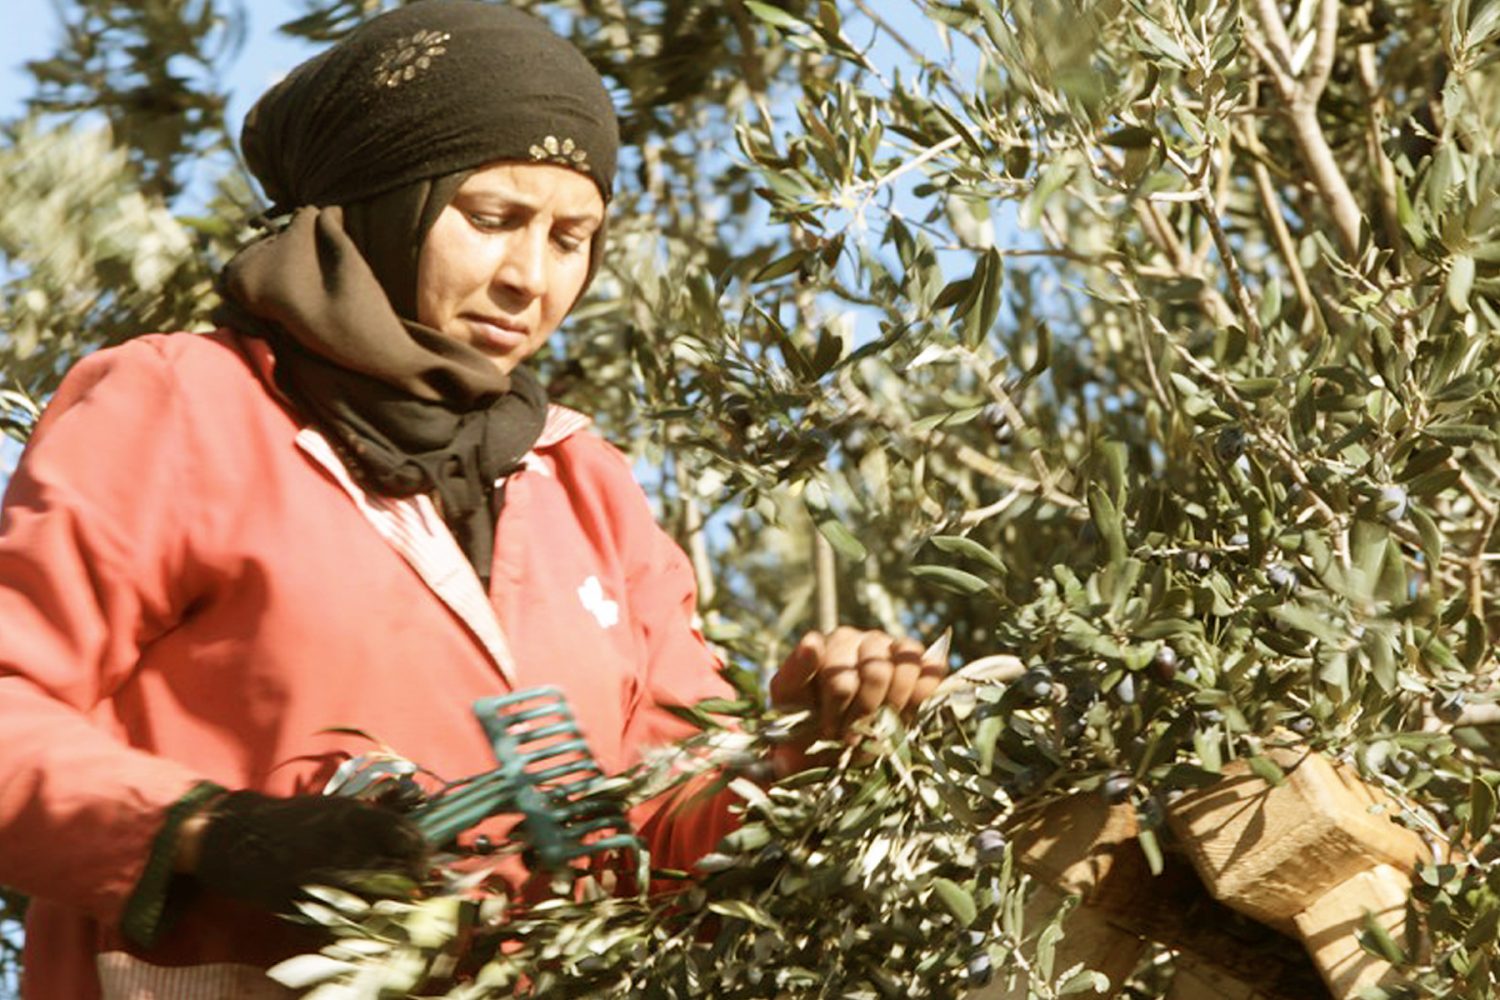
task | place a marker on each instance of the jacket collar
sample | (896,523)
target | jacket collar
(561,424)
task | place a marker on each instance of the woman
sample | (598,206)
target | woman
(350,506)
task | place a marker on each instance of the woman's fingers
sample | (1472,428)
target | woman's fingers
(930,675)
(838,682)
(793,683)
(849,674)
(906,663)
(876,670)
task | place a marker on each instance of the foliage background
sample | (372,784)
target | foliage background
(1092,328)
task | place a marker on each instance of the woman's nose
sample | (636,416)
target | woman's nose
(523,269)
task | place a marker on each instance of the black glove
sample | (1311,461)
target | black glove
(264,850)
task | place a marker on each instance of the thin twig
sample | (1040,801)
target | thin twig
(1266,57)
(1471,488)
(1157,388)
(1279,58)
(1162,234)
(1219,205)
(971,518)
(695,538)
(986,466)
(974,460)
(1479,715)
(1177,197)
(1475,563)
(825,575)
(1272,206)
(1241,294)
(1315,79)
(995,385)
(931,152)
(1385,171)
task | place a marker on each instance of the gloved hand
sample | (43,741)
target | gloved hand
(264,850)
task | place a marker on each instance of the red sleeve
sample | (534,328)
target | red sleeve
(680,669)
(92,566)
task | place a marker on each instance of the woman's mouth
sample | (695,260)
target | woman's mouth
(497,335)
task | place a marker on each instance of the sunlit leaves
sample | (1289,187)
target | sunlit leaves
(92,259)
(948,296)
(150,69)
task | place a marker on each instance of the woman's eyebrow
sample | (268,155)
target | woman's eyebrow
(580,219)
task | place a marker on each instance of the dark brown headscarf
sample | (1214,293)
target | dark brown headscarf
(365,145)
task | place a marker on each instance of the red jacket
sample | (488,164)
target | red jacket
(191,588)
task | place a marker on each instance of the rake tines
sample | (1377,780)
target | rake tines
(545,772)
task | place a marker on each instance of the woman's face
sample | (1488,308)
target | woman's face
(507,258)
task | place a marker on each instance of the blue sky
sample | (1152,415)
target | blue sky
(32,32)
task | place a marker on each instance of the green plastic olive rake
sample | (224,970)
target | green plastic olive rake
(545,772)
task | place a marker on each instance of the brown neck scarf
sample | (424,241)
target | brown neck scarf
(410,410)
(364,145)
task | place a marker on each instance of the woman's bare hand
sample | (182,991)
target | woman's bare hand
(848,675)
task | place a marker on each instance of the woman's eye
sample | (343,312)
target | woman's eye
(569,243)
(490,222)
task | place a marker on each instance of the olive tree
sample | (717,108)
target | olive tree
(1150,341)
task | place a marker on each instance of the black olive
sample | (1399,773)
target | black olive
(1117,787)
(989,846)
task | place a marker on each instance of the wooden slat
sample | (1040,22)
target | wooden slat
(1271,852)
(1089,939)
(1085,847)
(1310,855)
(1331,926)
(1198,980)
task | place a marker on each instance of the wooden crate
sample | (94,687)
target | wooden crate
(1081,846)
(1312,855)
